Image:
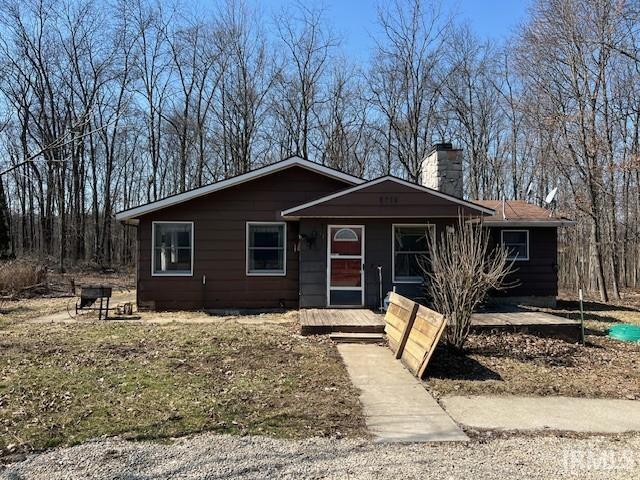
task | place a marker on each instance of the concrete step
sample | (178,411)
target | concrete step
(345,337)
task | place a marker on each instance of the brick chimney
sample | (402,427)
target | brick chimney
(442,169)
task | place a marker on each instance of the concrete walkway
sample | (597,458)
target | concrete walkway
(396,406)
(542,413)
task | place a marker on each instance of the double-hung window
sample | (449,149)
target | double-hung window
(517,244)
(410,244)
(266,248)
(172,252)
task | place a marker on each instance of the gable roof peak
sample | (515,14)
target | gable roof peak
(421,188)
(130,215)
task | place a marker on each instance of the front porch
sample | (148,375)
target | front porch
(323,321)
(326,321)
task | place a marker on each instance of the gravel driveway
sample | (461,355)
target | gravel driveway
(212,456)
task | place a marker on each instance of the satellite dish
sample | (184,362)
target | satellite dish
(551,195)
(529,188)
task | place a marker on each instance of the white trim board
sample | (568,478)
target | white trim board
(132,213)
(360,217)
(291,211)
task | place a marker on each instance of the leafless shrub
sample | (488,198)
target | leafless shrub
(459,271)
(18,277)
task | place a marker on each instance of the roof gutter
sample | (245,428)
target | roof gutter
(526,223)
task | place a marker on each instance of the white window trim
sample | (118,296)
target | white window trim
(153,249)
(431,226)
(515,259)
(345,257)
(246,252)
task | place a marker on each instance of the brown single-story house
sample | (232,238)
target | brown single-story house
(296,234)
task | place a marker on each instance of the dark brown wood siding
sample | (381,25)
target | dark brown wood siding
(387,199)
(219,245)
(538,276)
(378,251)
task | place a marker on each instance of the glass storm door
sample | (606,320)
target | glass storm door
(345,260)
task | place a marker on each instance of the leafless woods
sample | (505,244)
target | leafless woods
(110,104)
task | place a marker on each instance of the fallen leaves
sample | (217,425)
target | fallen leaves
(512,363)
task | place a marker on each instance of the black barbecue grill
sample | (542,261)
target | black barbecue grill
(90,295)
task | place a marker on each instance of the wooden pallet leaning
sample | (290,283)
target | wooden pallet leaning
(413,332)
(422,340)
(398,322)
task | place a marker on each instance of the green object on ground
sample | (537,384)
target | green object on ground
(626,333)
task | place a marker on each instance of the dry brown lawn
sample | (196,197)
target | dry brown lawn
(600,316)
(171,374)
(166,374)
(61,384)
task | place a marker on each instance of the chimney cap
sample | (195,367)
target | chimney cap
(439,147)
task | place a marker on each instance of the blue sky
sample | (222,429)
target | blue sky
(355,20)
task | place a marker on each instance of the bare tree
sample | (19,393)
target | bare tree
(247,80)
(460,270)
(152,65)
(345,140)
(308,45)
(406,79)
(469,95)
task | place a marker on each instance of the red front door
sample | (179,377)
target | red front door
(345,260)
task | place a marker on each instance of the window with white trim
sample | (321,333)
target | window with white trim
(517,244)
(172,248)
(409,245)
(266,248)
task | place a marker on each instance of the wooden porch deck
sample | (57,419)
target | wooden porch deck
(525,321)
(322,321)
(319,321)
